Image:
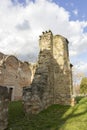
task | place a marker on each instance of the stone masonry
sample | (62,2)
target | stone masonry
(52,83)
(14,74)
(4,100)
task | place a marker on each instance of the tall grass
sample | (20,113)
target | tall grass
(56,117)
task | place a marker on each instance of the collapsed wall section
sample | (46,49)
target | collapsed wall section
(4,100)
(39,95)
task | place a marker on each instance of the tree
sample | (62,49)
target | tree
(83,86)
(77,77)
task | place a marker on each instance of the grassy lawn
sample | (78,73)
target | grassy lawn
(56,117)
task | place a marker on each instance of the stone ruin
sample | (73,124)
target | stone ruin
(52,83)
(51,77)
(14,74)
(4,101)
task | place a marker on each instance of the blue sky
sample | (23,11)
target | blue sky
(78,11)
(79,6)
(22,21)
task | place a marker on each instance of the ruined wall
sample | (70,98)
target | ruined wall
(36,97)
(62,71)
(14,74)
(52,81)
(3,107)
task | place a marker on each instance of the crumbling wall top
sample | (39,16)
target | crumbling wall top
(46,33)
(45,41)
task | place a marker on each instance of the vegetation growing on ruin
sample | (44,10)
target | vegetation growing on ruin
(56,117)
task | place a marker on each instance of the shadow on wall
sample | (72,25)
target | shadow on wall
(51,84)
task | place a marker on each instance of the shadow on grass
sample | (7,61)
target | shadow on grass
(56,117)
(78,98)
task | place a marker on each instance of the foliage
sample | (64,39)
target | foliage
(56,117)
(83,86)
(77,77)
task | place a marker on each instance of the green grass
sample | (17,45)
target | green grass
(56,117)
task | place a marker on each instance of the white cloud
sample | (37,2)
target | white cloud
(23,26)
(75,11)
(81,67)
(20,27)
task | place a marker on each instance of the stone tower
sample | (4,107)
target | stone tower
(62,71)
(52,81)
